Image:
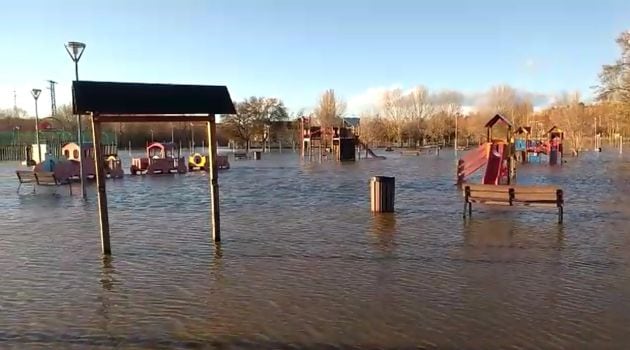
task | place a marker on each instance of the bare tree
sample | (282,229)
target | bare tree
(419,107)
(396,113)
(507,101)
(330,109)
(615,78)
(570,115)
(373,129)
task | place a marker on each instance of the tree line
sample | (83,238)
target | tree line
(403,118)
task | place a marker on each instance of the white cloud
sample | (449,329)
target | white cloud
(371,97)
(368,99)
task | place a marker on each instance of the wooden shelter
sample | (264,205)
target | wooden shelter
(115,102)
(498,118)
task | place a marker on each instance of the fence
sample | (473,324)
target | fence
(19,152)
(12,152)
(49,137)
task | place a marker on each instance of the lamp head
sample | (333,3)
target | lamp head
(75,49)
(35,93)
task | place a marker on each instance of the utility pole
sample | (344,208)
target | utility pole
(53,100)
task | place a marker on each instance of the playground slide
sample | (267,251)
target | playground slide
(493,168)
(473,161)
(370,152)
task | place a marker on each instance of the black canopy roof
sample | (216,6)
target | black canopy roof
(115,98)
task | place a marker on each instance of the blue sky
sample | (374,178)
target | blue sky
(296,49)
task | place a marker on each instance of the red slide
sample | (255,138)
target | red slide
(493,168)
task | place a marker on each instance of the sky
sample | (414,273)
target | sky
(294,50)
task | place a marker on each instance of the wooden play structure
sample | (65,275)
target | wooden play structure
(496,155)
(113,166)
(66,169)
(109,102)
(160,159)
(556,137)
(199,162)
(512,195)
(338,143)
(531,150)
(497,188)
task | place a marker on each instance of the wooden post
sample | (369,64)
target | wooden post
(467,201)
(321,155)
(214,183)
(100,185)
(560,205)
(460,172)
(382,190)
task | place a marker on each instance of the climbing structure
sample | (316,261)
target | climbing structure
(529,150)
(497,155)
(556,136)
(338,143)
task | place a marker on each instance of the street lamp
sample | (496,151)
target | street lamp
(455,144)
(36,93)
(17,131)
(192,138)
(75,50)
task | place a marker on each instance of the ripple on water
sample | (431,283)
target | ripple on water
(304,264)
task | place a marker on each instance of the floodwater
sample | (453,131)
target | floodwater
(304,264)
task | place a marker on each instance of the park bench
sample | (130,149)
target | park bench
(41,179)
(26,177)
(514,195)
(240,155)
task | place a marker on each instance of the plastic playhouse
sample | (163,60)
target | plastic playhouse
(160,159)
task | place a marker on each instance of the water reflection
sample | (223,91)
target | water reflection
(217,262)
(107,288)
(304,262)
(383,231)
(107,274)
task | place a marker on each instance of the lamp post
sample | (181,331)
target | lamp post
(75,50)
(35,93)
(192,138)
(455,144)
(17,139)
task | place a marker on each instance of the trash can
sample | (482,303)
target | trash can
(382,189)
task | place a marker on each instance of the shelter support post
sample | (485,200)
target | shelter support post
(214,183)
(100,185)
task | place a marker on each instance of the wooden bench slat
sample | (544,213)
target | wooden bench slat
(490,195)
(535,189)
(535,197)
(511,195)
(489,188)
